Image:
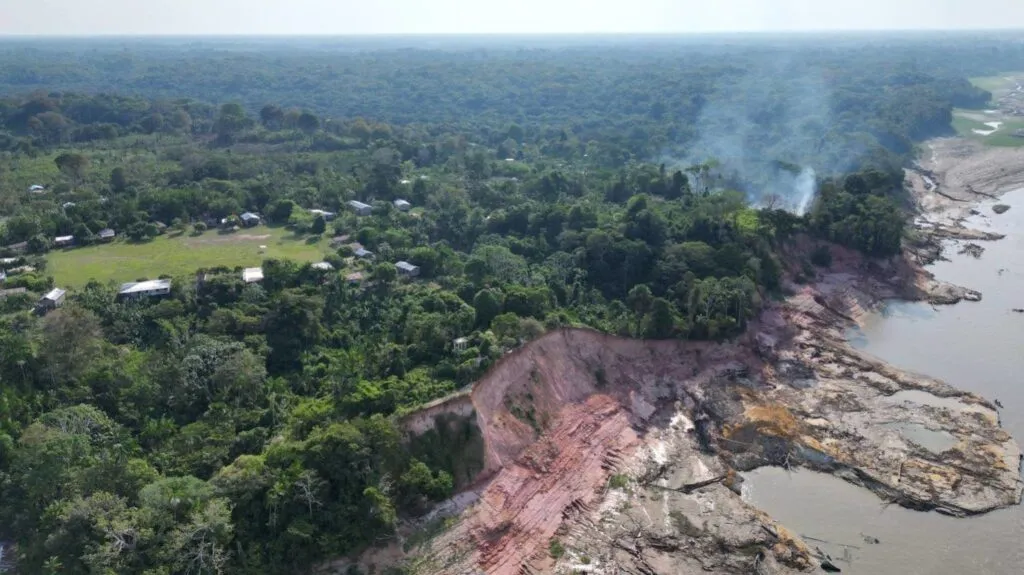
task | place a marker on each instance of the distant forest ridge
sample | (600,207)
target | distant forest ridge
(835,103)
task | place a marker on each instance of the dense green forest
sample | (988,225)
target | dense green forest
(235,427)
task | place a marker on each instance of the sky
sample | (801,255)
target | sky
(345,17)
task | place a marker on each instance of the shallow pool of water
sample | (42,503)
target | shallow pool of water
(917,397)
(977,347)
(934,441)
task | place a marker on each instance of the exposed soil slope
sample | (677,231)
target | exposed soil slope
(669,422)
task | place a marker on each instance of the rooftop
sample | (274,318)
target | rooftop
(249,216)
(55,294)
(63,238)
(357,204)
(324,266)
(405,266)
(144,286)
(250,275)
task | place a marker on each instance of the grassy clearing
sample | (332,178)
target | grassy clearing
(965,122)
(998,83)
(123,261)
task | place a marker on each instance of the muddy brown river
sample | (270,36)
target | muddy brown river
(978,347)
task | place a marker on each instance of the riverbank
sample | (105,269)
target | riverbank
(974,347)
(605,454)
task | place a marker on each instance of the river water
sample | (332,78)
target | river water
(978,347)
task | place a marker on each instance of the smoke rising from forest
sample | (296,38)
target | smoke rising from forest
(768,131)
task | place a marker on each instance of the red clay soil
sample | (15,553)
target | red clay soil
(554,478)
(558,417)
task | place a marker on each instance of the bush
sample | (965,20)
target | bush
(556,549)
(618,481)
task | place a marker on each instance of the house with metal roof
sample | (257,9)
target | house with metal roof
(51,301)
(252,275)
(360,208)
(403,205)
(322,266)
(249,219)
(363,253)
(407,269)
(107,234)
(147,288)
(63,241)
(327,216)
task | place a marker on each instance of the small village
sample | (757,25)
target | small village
(17,258)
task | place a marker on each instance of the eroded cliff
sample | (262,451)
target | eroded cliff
(610,455)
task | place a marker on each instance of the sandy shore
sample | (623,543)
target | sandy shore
(954,175)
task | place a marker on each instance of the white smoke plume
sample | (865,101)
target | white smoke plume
(803,190)
(769,131)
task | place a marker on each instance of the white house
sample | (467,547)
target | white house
(322,266)
(360,208)
(402,205)
(252,275)
(148,288)
(37,189)
(63,241)
(363,253)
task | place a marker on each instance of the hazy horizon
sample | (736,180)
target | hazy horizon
(84,18)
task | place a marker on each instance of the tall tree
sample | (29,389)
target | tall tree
(74,165)
(271,117)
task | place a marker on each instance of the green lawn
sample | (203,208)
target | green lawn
(995,83)
(965,126)
(123,261)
